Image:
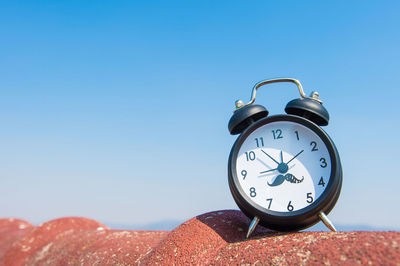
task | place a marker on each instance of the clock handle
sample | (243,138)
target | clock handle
(240,104)
(327,222)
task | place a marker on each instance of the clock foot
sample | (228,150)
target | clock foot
(252,226)
(327,222)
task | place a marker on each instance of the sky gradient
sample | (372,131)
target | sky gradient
(118,110)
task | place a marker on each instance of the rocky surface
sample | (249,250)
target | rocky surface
(212,238)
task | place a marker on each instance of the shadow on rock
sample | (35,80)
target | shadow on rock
(232,226)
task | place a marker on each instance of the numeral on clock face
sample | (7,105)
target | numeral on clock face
(321,182)
(290,206)
(259,142)
(323,162)
(253,192)
(244,174)
(277,133)
(269,204)
(250,156)
(310,199)
(285,175)
(313,144)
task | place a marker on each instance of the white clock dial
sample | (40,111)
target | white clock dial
(283,166)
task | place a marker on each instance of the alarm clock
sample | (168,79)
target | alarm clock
(284,171)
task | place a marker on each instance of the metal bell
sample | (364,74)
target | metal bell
(310,109)
(245,116)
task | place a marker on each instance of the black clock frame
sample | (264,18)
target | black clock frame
(295,220)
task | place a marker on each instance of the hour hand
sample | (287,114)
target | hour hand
(270,157)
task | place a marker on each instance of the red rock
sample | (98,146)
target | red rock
(109,247)
(219,238)
(41,237)
(211,238)
(198,240)
(10,231)
(315,248)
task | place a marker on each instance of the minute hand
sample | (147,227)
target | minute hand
(294,157)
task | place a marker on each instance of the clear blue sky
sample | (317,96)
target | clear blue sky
(118,110)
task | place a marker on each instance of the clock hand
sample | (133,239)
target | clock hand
(269,156)
(270,170)
(266,165)
(281,157)
(294,157)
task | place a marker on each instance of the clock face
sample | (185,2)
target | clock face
(283,166)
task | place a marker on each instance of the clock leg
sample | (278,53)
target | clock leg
(252,226)
(327,222)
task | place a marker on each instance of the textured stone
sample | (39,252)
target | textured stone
(199,239)
(219,238)
(10,231)
(212,238)
(105,247)
(38,240)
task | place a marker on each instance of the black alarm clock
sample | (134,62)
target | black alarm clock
(284,170)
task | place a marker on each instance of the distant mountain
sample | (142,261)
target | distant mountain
(166,225)
(350,227)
